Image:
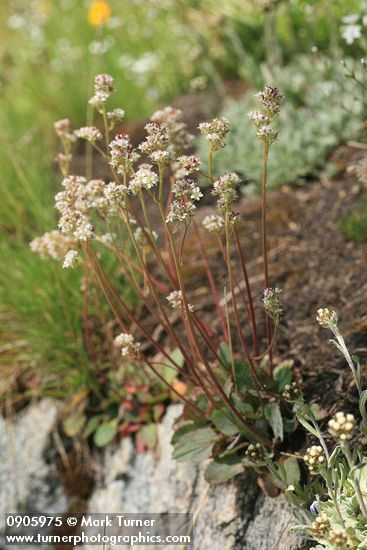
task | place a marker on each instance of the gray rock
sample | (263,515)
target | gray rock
(27,482)
(231,516)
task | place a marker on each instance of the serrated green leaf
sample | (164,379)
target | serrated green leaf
(274,417)
(194,445)
(105,433)
(218,472)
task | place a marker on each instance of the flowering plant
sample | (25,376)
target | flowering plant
(230,387)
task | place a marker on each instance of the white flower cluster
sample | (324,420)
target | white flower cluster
(215,132)
(156,144)
(326,317)
(225,189)
(115,193)
(183,207)
(186,165)
(144,178)
(171,120)
(341,426)
(123,154)
(175,300)
(213,222)
(270,99)
(107,239)
(115,117)
(258,118)
(338,537)
(103,88)
(351,28)
(129,347)
(52,244)
(89,133)
(321,526)
(81,195)
(75,202)
(63,131)
(140,236)
(267,134)
(72,259)
(314,458)
(272,303)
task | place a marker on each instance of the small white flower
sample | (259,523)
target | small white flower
(115,116)
(71,259)
(144,178)
(267,134)
(215,132)
(84,231)
(129,347)
(89,133)
(196,194)
(351,18)
(258,118)
(175,300)
(351,33)
(213,222)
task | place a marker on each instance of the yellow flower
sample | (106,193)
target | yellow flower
(99,13)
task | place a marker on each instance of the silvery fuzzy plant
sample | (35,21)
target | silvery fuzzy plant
(226,377)
(337,518)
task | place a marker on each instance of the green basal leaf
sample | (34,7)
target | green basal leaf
(92,424)
(243,376)
(282,375)
(184,428)
(194,445)
(105,433)
(245,408)
(220,472)
(74,423)
(274,417)
(223,423)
